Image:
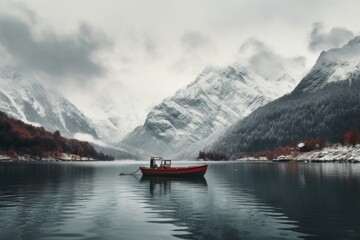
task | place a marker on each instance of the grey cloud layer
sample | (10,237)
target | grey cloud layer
(320,40)
(264,61)
(192,40)
(50,53)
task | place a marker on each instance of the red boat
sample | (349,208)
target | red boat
(165,169)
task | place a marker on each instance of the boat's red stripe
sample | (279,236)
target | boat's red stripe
(175,170)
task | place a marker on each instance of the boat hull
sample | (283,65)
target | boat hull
(191,171)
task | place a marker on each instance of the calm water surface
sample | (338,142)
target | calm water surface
(233,201)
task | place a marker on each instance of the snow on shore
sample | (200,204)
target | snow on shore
(65,157)
(4,157)
(333,153)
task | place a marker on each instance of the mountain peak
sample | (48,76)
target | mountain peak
(214,100)
(350,51)
(208,69)
(355,40)
(334,65)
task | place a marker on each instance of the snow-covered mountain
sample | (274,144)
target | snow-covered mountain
(326,103)
(214,100)
(335,65)
(24,98)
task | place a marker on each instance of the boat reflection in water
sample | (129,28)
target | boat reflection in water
(161,185)
(177,202)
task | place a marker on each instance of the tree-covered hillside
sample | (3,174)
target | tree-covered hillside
(325,104)
(19,138)
(327,112)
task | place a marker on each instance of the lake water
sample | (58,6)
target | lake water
(233,201)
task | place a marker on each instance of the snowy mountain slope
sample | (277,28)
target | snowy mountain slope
(191,151)
(325,104)
(335,65)
(217,98)
(24,98)
(111,119)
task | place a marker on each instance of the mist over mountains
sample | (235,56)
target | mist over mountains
(235,109)
(112,119)
(25,98)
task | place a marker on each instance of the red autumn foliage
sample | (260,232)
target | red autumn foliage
(58,151)
(311,144)
(12,154)
(36,141)
(352,137)
(273,154)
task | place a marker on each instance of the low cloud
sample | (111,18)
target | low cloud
(193,41)
(72,55)
(264,61)
(150,47)
(321,40)
(23,11)
(196,49)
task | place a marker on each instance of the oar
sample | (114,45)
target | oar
(122,174)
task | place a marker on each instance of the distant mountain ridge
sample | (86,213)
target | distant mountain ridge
(324,104)
(24,98)
(214,100)
(112,119)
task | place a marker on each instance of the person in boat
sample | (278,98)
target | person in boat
(153,163)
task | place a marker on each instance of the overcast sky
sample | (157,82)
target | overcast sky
(146,50)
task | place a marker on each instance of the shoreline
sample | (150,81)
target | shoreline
(40,162)
(331,154)
(48,159)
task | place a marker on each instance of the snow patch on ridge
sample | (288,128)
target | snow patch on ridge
(88,138)
(337,64)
